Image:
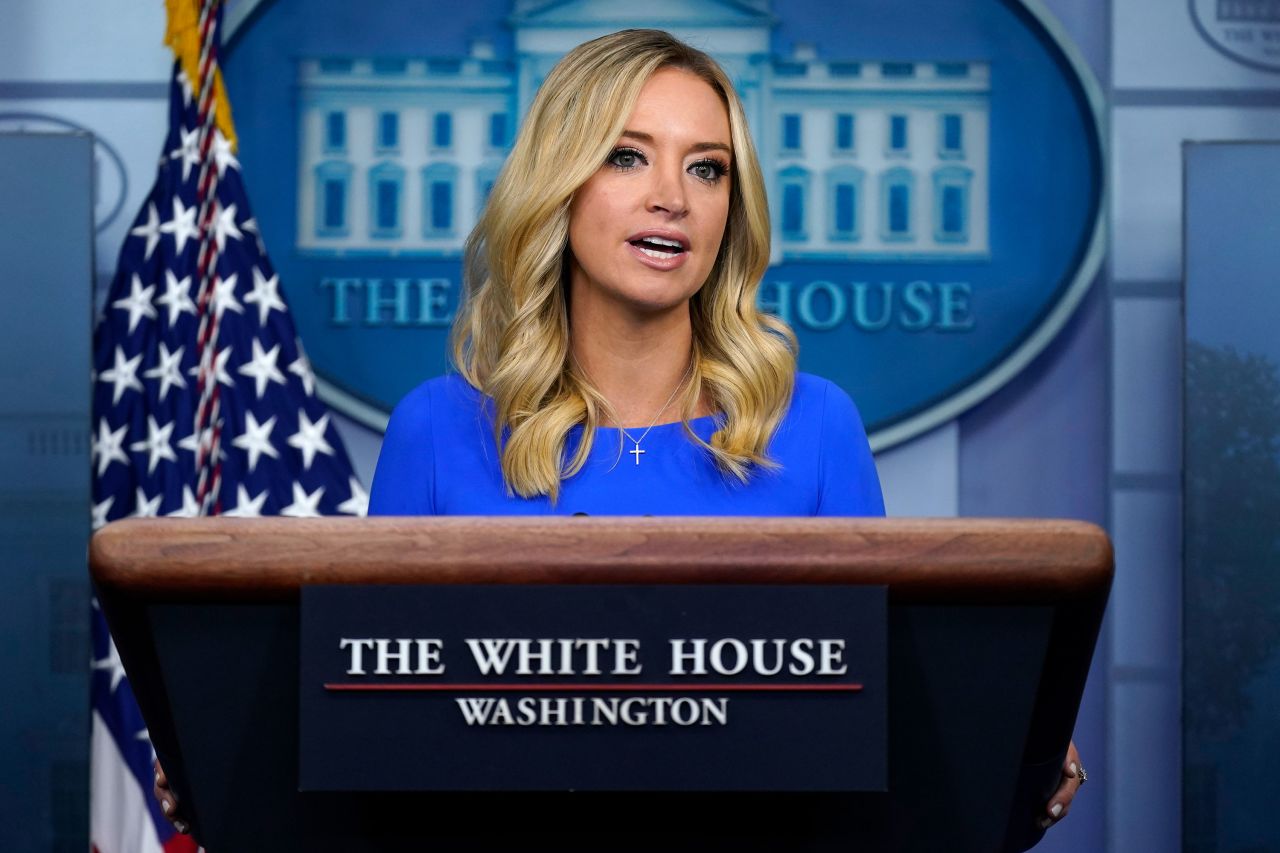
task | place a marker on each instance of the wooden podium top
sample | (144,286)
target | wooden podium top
(920,560)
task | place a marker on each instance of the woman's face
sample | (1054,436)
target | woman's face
(645,230)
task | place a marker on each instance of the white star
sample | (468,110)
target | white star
(224,296)
(189,151)
(246,507)
(310,438)
(168,371)
(145,736)
(112,664)
(262,367)
(304,505)
(182,225)
(146,507)
(190,508)
(301,367)
(222,153)
(150,229)
(224,226)
(358,503)
(177,296)
(108,446)
(191,443)
(101,511)
(219,368)
(256,439)
(251,225)
(266,292)
(185,82)
(123,375)
(137,303)
(156,445)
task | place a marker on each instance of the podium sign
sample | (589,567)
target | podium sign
(608,688)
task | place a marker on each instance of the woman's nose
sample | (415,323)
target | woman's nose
(667,193)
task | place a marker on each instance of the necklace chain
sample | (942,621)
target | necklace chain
(636,451)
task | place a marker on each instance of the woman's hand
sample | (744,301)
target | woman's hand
(1073,776)
(168,800)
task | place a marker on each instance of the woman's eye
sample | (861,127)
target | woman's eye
(625,158)
(708,170)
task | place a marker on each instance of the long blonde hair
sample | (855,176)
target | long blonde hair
(511,336)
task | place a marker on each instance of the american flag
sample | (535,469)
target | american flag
(203,399)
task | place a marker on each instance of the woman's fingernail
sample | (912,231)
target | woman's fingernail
(1046,823)
(157,779)
(181,826)
(166,806)
(1074,768)
(1056,811)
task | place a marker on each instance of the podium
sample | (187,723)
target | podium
(991,629)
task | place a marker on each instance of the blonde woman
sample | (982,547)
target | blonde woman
(610,356)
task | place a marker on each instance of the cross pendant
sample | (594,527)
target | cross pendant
(636,451)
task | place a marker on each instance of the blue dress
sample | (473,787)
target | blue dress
(439,458)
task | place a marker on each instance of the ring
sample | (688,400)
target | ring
(1084,777)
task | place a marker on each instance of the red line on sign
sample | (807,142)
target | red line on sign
(603,688)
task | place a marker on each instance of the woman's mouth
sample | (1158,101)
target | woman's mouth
(659,253)
(658,247)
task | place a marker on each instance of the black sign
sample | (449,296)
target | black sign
(658,688)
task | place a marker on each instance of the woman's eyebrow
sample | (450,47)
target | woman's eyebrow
(641,136)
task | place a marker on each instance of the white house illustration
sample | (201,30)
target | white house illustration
(866,160)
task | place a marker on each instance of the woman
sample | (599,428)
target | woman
(610,355)
(610,294)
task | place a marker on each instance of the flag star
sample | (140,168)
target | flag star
(310,438)
(358,503)
(251,225)
(262,367)
(224,296)
(246,507)
(123,375)
(223,154)
(156,445)
(219,368)
(301,368)
(190,443)
(185,83)
(112,664)
(177,296)
(183,224)
(101,511)
(145,736)
(149,229)
(190,507)
(256,439)
(304,505)
(137,303)
(188,150)
(266,293)
(108,446)
(168,371)
(146,507)
(224,226)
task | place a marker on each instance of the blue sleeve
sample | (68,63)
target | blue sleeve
(404,482)
(849,482)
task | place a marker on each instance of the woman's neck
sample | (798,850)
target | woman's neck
(636,363)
